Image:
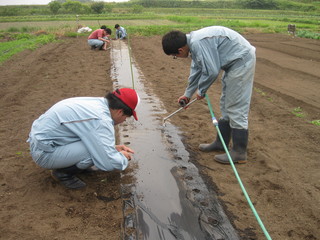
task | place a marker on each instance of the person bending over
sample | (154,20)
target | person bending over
(78,133)
(213,49)
(99,38)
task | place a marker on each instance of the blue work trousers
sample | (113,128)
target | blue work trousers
(95,43)
(237,83)
(50,156)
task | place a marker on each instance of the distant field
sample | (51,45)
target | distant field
(89,23)
(153,19)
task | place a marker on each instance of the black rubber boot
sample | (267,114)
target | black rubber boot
(66,176)
(225,130)
(238,152)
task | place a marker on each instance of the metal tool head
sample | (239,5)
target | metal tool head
(175,112)
(164,123)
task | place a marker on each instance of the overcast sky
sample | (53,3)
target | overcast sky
(44,2)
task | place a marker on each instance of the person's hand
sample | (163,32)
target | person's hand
(183,101)
(123,148)
(199,97)
(126,154)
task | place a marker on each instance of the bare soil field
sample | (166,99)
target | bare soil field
(282,175)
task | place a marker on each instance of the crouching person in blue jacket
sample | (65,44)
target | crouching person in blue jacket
(121,32)
(78,133)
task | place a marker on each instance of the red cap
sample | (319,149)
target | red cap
(129,97)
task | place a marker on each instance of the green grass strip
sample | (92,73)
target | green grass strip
(10,48)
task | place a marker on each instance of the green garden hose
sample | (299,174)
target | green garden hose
(129,48)
(215,123)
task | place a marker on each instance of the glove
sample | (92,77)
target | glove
(183,101)
(200,97)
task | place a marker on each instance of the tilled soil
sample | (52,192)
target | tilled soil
(281,176)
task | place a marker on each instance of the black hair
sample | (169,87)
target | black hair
(103,27)
(116,103)
(116,26)
(108,30)
(172,41)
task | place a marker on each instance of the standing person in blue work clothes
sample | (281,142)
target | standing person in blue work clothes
(120,32)
(213,49)
(78,133)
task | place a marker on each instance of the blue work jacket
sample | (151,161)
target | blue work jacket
(85,119)
(213,49)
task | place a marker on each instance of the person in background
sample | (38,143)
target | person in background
(78,133)
(99,39)
(213,49)
(120,32)
(108,38)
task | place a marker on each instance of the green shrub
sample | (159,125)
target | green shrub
(13,29)
(54,6)
(71,34)
(291,5)
(44,39)
(19,36)
(97,7)
(316,122)
(259,4)
(137,8)
(307,34)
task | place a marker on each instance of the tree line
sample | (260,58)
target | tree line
(137,6)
